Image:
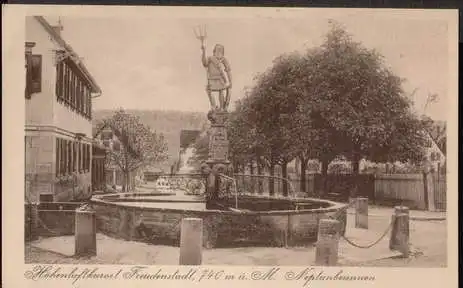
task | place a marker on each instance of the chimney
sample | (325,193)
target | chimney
(58,28)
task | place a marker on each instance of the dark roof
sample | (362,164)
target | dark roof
(100,126)
(60,41)
(188,137)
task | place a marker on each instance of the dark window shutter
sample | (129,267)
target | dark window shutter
(68,158)
(66,80)
(59,81)
(89,155)
(57,161)
(84,100)
(68,76)
(74,156)
(84,158)
(90,105)
(36,73)
(87,160)
(78,95)
(63,157)
(81,156)
(72,91)
(28,76)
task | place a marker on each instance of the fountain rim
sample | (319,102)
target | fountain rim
(334,207)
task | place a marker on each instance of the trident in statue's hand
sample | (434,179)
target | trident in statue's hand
(201,35)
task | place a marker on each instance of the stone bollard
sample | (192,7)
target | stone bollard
(85,233)
(361,213)
(191,241)
(33,222)
(327,243)
(401,210)
(400,234)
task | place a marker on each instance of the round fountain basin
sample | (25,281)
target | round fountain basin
(256,220)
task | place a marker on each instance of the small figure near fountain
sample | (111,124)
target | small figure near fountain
(219,78)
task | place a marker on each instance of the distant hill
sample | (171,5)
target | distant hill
(169,123)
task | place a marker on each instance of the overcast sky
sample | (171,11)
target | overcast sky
(154,63)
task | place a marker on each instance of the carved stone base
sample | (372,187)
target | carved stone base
(217,117)
(218,162)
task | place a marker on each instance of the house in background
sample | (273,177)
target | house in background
(436,146)
(58,125)
(109,138)
(98,167)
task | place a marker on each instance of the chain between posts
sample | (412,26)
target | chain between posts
(336,217)
(42,224)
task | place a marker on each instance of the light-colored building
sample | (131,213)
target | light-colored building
(58,126)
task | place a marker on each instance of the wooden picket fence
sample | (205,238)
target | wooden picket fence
(407,189)
(381,189)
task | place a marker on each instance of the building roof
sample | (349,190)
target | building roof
(438,134)
(100,126)
(56,37)
(188,137)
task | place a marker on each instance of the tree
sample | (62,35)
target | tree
(140,145)
(361,104)
(244,148)
(271,107)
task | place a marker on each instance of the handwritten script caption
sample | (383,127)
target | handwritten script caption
(304,277)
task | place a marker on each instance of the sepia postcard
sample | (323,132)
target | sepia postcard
(229,146)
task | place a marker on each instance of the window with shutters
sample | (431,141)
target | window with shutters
(72,88)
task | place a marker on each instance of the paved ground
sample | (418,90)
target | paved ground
(414,214)
(428,239)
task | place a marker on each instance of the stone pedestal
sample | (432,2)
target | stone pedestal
(327,243)
(361,213)
(85,233)
(191,241)
(217,162)
(218,141)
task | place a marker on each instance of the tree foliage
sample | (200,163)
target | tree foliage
(336,99)
(140,145)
